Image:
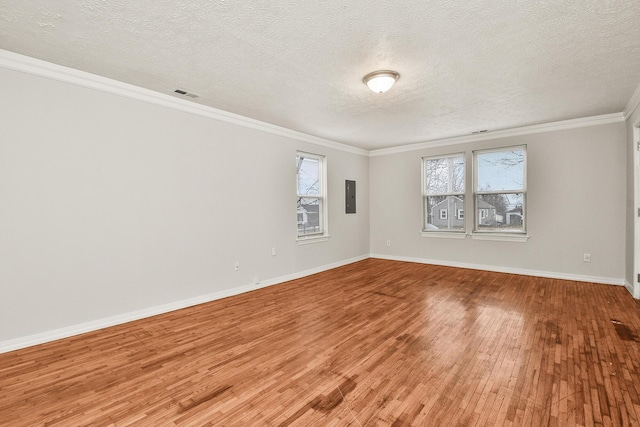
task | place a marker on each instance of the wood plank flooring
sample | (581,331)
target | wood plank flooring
(374,343)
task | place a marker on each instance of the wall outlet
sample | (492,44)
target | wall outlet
(236,266)
(586,258)
(388,242)
(273,251)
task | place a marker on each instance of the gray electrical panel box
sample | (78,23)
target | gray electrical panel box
(350,196)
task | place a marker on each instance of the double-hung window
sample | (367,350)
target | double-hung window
(311,195)
(500,188)
(443,187)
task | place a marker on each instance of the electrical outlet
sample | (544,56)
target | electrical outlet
(273,251)
(586,258)
(236,266)
(388,242)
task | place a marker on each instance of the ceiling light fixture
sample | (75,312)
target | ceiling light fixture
(381,81)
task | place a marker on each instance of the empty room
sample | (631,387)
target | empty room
(363,213)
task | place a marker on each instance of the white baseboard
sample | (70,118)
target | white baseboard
(82,328)
(635,292)
(629,287)
(498,269)
(56,334)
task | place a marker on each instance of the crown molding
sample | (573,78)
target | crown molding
(632,104)
(525,130)
(37,67)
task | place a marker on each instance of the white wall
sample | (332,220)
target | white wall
(575,205)
(112,205)
(632,218)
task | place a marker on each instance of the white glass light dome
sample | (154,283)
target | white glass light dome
(381,81)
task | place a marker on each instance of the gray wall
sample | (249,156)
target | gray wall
(575,204)
(112,205)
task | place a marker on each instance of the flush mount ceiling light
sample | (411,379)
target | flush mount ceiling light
(381,81)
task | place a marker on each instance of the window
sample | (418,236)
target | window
(311,195)
(443,187)
(500,190)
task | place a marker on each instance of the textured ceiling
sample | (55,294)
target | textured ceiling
(465,65)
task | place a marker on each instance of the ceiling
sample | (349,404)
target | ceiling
(465,66)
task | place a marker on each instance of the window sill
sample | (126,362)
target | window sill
(307,240)
(444,234)
(503,237)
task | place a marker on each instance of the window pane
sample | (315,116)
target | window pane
(500,212)
(309,215)
(444,175)
(444,213)
(501,170)
(308,176)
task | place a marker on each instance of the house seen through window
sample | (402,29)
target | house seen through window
(443,189)
(311,194)
(500,189)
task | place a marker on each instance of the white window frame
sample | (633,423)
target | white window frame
(323,234)
(452,234)
(460,213)
(444,214)
(514,236)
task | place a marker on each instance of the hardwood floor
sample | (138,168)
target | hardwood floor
(375,343)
